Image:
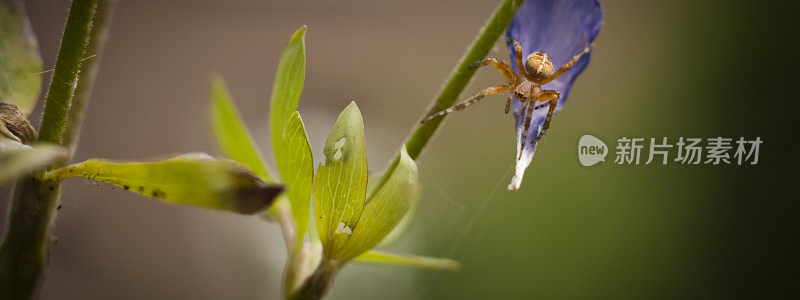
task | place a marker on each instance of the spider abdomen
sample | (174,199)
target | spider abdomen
(538,65)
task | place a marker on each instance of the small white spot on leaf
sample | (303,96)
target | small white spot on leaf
(338,154)
(340,143)
(344,229)
(338,146)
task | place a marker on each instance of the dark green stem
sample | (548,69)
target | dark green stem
(83,91)
(318,284)
(458,81)
(65,76)
(23,255)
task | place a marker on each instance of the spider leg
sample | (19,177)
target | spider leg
(552,100)
(546,95)
(527,107)
(508,103)
(502,67)
(518,56)
(542,105)
(566,66)
(472,100)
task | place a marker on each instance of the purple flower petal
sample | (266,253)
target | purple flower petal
(562,29)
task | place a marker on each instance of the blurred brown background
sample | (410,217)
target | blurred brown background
(659,69)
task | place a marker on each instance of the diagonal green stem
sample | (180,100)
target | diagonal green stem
(458,81)
(23,254)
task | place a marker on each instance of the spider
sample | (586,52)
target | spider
(527,86)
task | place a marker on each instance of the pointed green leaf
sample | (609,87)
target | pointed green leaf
(391,259)
(313,232)
(290,150)
(341,182)
(402,227)
(385,210)
(194,179)
(230,132)
(296,166)
(288,85)
(373,184)
(17,159)
(20,62)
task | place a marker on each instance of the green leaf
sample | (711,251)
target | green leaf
(194,179)
(402,227)
(384,258)
(288,85)
(230,132)
(385,210)
(341,182)
(20,62)
(313,232)
(296,166)
(289,138)
(17,159)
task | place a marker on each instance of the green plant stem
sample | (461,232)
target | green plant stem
(23,254)
(294,246)
(318,284)
(458,81)
(65,76)
(83,91)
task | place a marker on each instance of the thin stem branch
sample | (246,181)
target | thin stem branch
(281,212)
(463,73)
(284,215)
(458,81)
(65,76)
(294,245)
(23,254)
(83,91)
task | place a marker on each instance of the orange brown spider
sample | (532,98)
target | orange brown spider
(527,87)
